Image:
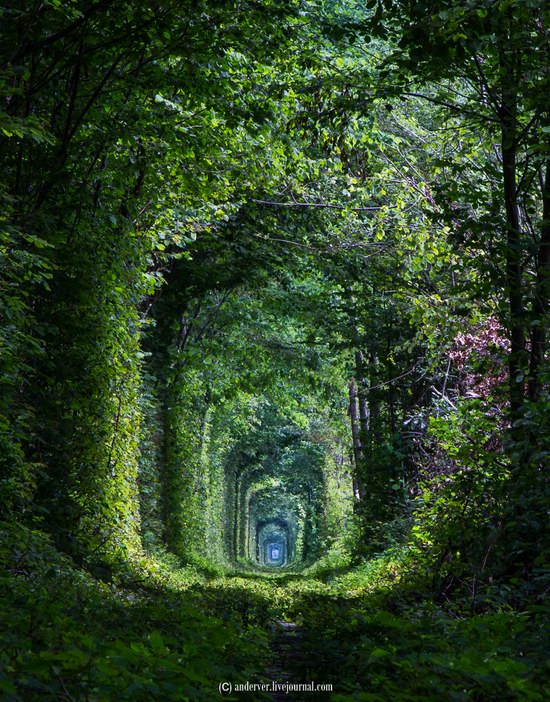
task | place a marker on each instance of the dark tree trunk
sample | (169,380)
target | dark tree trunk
(389,376)
(352,411)
(542,296)
(361,392)
(514,282)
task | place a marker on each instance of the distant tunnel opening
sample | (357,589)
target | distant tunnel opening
(284,500)
(272,543)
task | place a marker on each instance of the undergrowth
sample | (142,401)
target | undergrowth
(161,632)
(68,636)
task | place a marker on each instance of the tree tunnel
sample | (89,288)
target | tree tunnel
(272,543)
(277,505)
(252,475)
(272,521)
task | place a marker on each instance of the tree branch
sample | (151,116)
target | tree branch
(318,204)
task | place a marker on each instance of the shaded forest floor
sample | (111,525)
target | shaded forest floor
(155,632)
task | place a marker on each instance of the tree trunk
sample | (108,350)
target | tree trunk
(361,392)
(542,296)
(514,283)
(352,411)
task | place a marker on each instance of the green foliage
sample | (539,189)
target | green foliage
(240,244)
(65,634)
(422,655)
